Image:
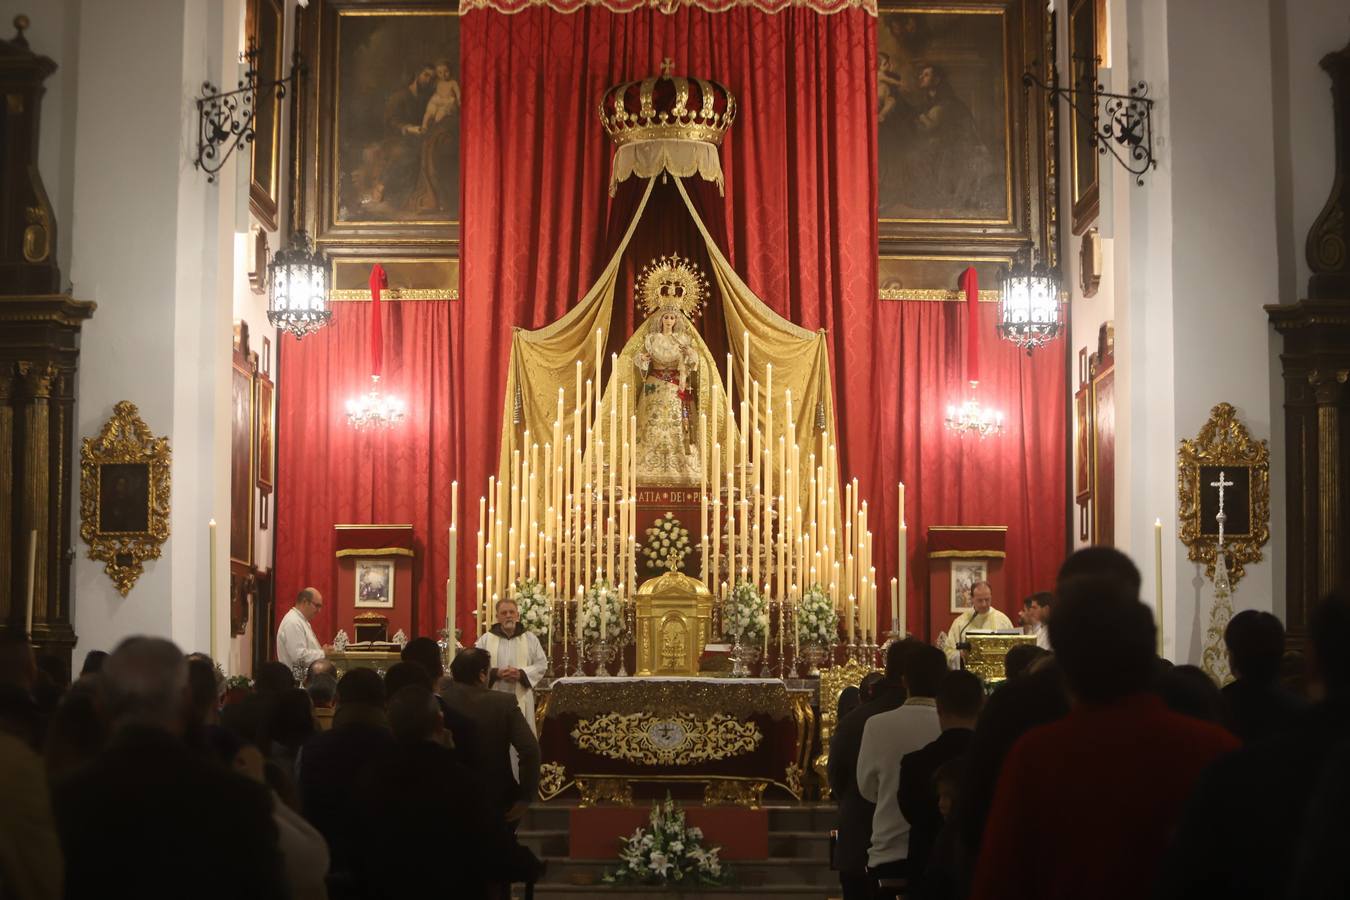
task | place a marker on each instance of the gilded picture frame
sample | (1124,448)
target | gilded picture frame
(987,175)
(124,495)
(1084,60)
(965,574)
(265,28)
(243,448)
(1224,445)
(374,584)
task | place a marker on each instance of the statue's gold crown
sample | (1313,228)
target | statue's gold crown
(667,107)
(672,281)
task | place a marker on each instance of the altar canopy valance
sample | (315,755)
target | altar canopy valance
(670,6)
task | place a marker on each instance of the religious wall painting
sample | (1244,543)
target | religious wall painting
(1084,60)
(397,99)
(935,276)
(266,393)
(264,26)
(124,499)
(422,278)
(243,445)
(966,573)
(374,583)
(1102,366)
(943,115)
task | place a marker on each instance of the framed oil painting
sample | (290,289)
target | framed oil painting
(966,573)
(242,445)
(1084,60)
(265,27)
(962,147)
(124,499)
(374,583)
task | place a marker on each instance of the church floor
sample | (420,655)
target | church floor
(797,866)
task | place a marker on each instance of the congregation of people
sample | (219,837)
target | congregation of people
(1097,769)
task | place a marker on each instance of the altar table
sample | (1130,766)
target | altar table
(616,738)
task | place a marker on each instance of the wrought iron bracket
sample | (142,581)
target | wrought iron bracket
(225,119)
(1120,124)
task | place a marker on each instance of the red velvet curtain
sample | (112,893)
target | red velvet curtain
(328,473)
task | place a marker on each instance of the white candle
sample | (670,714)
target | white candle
(211,574)
(32,582)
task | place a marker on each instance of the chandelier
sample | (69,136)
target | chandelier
(1029,311)
(971,418)
(298,297)
(373,409)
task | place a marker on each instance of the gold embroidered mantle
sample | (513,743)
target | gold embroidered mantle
(666,740)
(741,698)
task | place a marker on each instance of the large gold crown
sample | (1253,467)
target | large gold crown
(672,281)
(667,107)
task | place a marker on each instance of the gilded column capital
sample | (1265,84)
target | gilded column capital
(38,376)
(1328,384)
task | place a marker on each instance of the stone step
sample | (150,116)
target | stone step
(747,873)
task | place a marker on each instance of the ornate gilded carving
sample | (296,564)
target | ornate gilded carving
(734,792)
(832,684)
(742,698)
(1225,443)
(552,780)
(124,522)
(598,791)
(37,236)
(793,779)
(662,739)
(673,612)
(674,643)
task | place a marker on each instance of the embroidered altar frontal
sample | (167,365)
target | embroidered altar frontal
(714,740)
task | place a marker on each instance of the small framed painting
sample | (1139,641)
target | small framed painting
(966,573)
(374,583)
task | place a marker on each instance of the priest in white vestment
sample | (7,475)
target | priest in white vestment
(297,646)
(983,617)
(518,659)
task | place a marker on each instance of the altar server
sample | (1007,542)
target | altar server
(297,646)
(518,659)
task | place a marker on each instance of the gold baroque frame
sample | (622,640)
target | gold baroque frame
(124,440)
(1223,441)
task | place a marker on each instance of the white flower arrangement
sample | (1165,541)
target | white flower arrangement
(669,852)
(746,613)
(817,622)
(667,544)
(536,608)
(602,599)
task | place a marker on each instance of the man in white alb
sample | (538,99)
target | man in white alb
(297,646)
(518,659)
(983,617)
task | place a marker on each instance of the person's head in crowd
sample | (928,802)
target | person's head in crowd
(508,615)
(1100,562)
(947,781)
(402,674)
(323,691)
(896,654)
(273,678)
(290,720)
(427,654)
(320,667)
(1255,642)
(850,698)
(1294,672)
(1025,617)
(959,698)
(1019,659)
(1329,663)
(471,666)
(93,662)
(17,664)
(414,714)
(1186,689)
(361,687)
(1040,607)
(76,731)
(925,668)
(1103,638)
(146,683)
(981,597)
(239,753)
(204,689)
(867,688)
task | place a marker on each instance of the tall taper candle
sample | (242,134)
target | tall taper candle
(1158,578)
(451,584)
(211,575)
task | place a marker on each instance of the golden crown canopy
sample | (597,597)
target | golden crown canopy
(667,122)
(672,281)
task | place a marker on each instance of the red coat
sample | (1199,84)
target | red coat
(1085,806)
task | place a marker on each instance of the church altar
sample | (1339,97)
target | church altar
(617,740)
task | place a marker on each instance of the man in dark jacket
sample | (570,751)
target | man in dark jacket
(959,699)
(1255,705)
(426,653)
(855,813)
(151,818)
(329,763)
(499,728)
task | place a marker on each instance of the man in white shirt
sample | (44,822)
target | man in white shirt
(297,646)
(518,659)
(1040,609)
(983,617)
(887,737)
